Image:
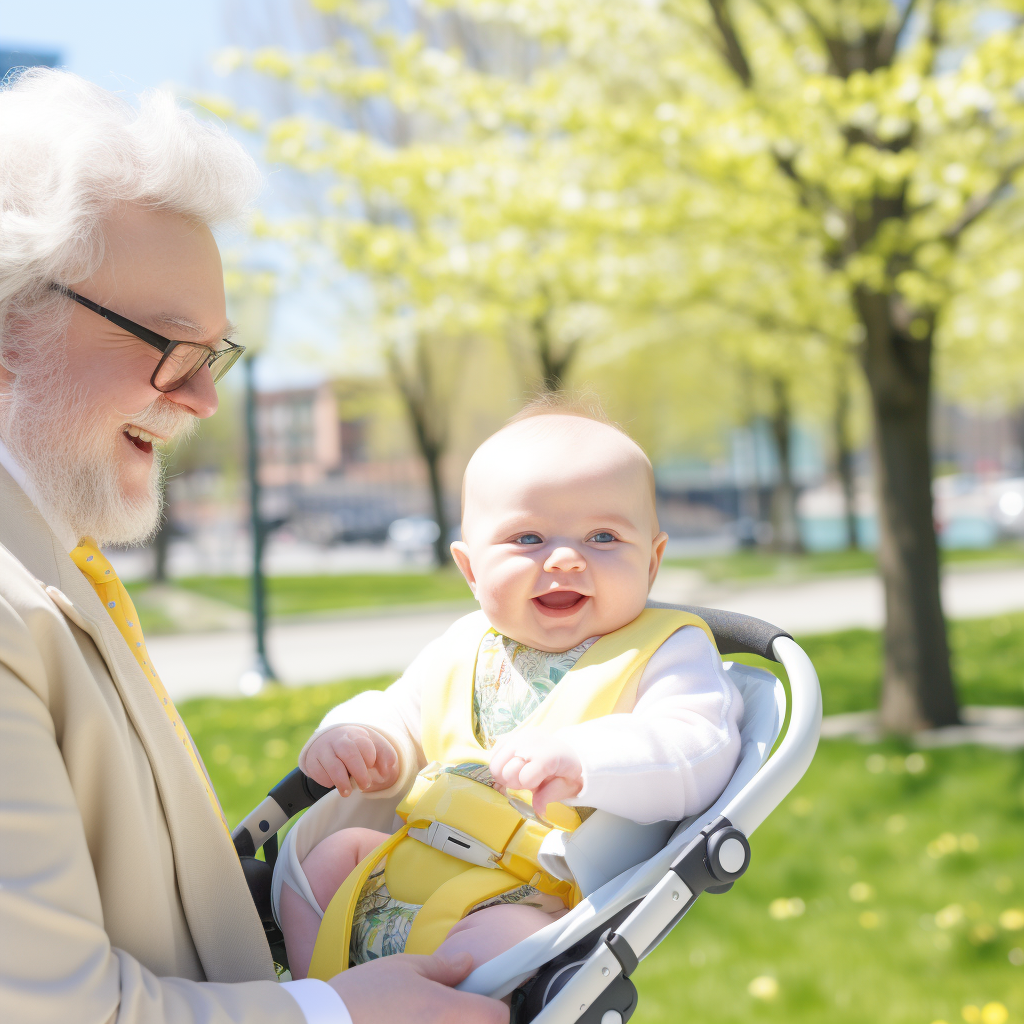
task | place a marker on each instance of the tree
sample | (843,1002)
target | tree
(847,168)
(888,140)
(425,373)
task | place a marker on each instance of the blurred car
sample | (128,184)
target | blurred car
(413,533)
(971,511)
(1008,507)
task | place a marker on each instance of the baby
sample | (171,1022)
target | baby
(560,547)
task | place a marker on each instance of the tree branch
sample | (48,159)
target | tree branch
(836,51)
(978,206)
(887,44)
(731,46)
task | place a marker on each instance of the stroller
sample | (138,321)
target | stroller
(638,880)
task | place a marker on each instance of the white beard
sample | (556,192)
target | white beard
(74,470)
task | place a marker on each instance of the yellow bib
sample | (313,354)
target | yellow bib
(603,682)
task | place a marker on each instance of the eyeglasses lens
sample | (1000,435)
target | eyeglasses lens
(186,359)
(178,364)
(223,361)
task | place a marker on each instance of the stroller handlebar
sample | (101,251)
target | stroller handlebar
(734,633)
(786,766)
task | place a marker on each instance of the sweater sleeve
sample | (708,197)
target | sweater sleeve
(394,713)
(674,754)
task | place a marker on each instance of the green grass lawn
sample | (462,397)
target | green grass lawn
(988,661)
(296,595)
(745,565)
(311,595)
(302,595)
(887,888)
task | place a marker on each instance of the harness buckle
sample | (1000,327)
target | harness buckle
(456,844)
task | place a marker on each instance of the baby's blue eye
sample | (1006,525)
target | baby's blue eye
(529,538)
(604,537)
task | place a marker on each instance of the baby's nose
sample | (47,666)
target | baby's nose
(565,559)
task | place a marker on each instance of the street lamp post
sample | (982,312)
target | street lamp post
(254,679)
(251,294)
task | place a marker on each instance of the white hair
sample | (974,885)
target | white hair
(71,153)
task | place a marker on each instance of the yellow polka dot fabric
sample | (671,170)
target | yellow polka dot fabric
(116,599)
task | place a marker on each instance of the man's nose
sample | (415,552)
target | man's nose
(197,394)
(565,559)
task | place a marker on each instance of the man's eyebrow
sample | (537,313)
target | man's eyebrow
(184,323)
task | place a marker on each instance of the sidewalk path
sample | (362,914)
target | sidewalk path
(373,644)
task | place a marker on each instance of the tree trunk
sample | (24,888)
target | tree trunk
(553,365)
(784,520)
(427,409)
(917,682)
(844,455)
(442,551)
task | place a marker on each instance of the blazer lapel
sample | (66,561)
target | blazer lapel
(222,919)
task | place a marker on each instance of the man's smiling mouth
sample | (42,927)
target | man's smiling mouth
(560,602)
(142,439)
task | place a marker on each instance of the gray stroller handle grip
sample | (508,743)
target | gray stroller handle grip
(786,766)
(734,633)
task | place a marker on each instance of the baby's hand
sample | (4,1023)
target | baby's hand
(352,753)
(545,765)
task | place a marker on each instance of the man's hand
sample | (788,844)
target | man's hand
(405,987)
(545,765)
(350,754)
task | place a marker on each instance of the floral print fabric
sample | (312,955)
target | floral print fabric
(511,682)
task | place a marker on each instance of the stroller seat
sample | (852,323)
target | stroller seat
(638,880)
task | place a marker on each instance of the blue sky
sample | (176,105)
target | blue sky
(120,44)
(128,47)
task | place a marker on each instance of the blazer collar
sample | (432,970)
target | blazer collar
(222,918)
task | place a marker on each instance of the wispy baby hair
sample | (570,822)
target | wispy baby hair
(71,153)
(584,404)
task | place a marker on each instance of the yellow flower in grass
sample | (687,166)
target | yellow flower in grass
(944,844)
(764,987)
(1012,920)
(861,892)
(950,917)
(990,1013)
(782,908)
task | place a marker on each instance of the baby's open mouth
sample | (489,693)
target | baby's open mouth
(142,439)
(560,600)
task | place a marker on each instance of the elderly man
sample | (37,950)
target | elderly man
(121,897)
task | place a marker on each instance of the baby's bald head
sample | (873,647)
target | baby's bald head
(560,537)
(550,450)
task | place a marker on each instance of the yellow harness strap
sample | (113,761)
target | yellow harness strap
(602,682)
(330,952)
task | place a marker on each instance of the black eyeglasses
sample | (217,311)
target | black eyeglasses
(181,360)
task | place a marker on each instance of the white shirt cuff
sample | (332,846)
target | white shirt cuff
(319,1003)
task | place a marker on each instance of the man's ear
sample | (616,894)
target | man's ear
(657,552)
(460,552)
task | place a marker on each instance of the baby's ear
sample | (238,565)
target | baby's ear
(460,552)
(657,551)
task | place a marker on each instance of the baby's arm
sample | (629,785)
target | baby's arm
(389,719)
(669,758)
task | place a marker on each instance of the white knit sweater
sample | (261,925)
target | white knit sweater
(669,758)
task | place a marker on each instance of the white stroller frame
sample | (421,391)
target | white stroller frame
(641,879)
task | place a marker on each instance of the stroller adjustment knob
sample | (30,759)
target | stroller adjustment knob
(728,854)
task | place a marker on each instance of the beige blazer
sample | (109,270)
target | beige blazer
(121,897)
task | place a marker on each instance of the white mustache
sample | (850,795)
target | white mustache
(166,419)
